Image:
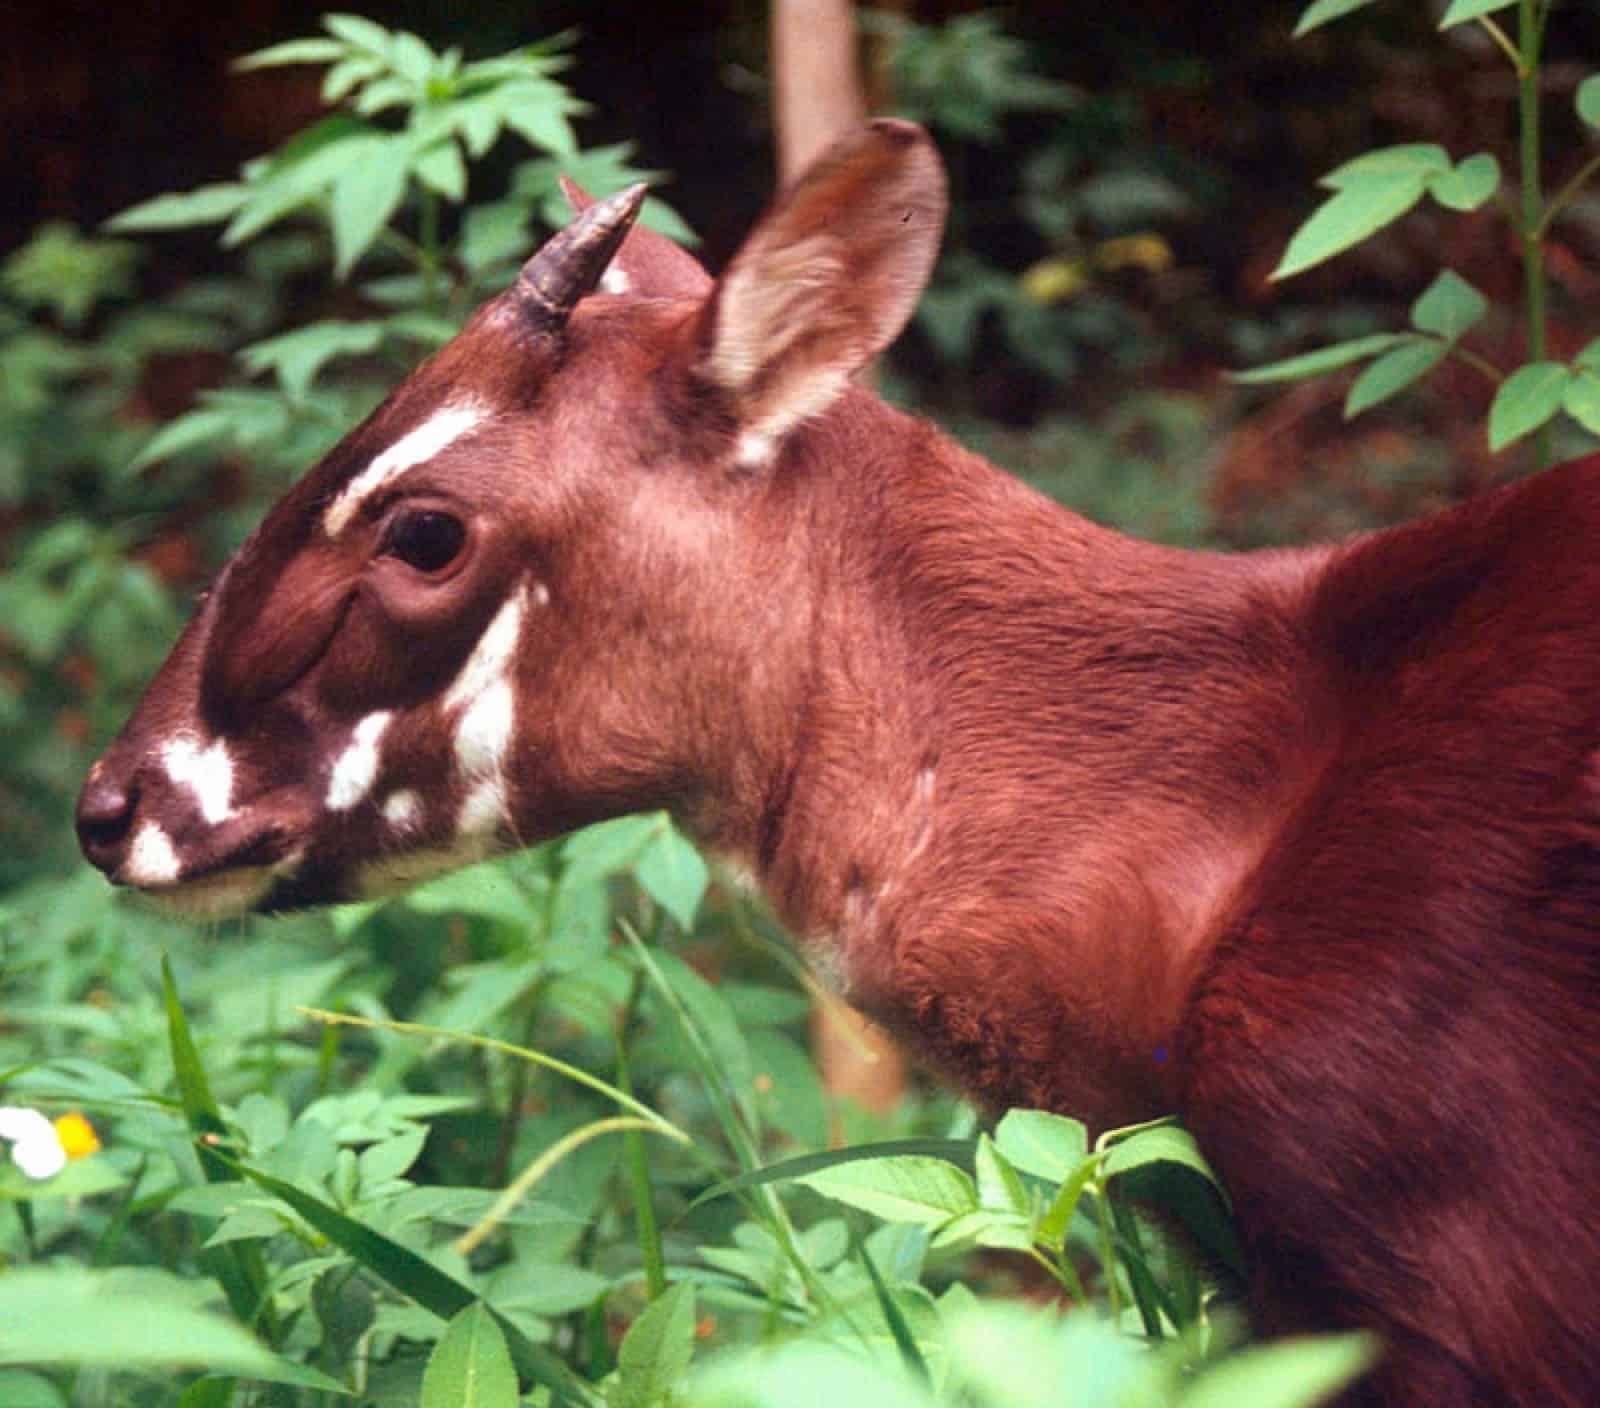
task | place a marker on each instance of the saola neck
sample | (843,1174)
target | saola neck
(1033,768)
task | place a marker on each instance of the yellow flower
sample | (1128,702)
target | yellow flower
(77,1135)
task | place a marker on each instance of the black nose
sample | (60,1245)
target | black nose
(105,821)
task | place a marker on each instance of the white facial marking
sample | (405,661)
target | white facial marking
(541,594)
(356,769)
(207,772)
(755,450)
(401,809)
(485,705)
(483,732)
(483,809)
(415,447)
(614,281)
(151,859)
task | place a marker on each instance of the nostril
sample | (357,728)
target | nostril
(105,819)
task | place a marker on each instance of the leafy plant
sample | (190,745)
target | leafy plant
(1374,190)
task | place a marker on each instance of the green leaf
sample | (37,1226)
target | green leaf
(1324,359)
(672,873)
(1353,213)
(1589,356)
(999,1187)
(1324,12)
(1588,100)
(1046,1145)
(205,205)
(1424,159)
(19,1388)
(365,196)
(1448,307)
(128,1319)
(1581,400)
(540,116)
(205,426)
(1160,1141)
(363,33)
(296,357)
(1471,183)
(486,890)
(441,169)
(470,1367)
(302,170)
(1525,401)
(946,1150)
(1461,11)
(898,1189)
(1295,1373)
(1392,373)
(293,51)
(655,1353)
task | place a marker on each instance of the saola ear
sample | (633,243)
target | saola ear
(826,280)
(647,264)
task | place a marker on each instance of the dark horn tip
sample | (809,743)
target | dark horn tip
(572,260)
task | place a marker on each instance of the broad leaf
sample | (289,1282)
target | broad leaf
(672,873)
(1581,400)
(1046,1145)
(1353,213)
(1392,373)
(470,1367)
(1425,159)
(1526,400)
(1448,307)
(1588,100)
(1469,184)
(906,1189)
(365,196)
(205,205)
(296,357)
(1289,1374)
(294,51)
(1325,11)
(1461,11)
(655,1353)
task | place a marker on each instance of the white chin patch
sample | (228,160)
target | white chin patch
(394,874)
(219,896)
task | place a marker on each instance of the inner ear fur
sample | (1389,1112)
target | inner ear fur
(826,280)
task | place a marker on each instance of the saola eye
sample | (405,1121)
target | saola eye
(426,539)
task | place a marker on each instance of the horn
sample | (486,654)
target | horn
(571,261)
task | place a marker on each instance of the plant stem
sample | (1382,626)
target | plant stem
(429,249)
(1530,32)
(636,1159)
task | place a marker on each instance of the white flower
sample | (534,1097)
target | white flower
(36,1146)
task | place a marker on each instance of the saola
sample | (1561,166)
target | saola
(1304,845)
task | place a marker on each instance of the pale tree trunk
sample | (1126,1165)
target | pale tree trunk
(816,95)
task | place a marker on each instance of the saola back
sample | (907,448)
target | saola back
(1301,845)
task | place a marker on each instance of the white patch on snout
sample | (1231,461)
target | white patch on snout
(207,772)
(614,281)
(356,769)
(485,707)
(151,859)
(402,809)
(415,447)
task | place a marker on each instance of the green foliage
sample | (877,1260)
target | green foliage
(1376,189)
(543,1132)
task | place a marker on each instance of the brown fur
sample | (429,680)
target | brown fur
(1302,845)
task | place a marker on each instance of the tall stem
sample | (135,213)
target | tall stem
(1529,35)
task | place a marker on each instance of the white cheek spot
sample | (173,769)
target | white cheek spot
(483,809)
(207,772)
(541,594)
(356,769)
(756,450)
(402,809)
(415,447)
(614,281)
(151,859)
(483,732)
(486,708)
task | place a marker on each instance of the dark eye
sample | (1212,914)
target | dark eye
(428,540)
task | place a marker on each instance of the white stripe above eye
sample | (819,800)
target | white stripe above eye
(442,429)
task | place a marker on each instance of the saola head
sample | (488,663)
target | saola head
(554,577)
